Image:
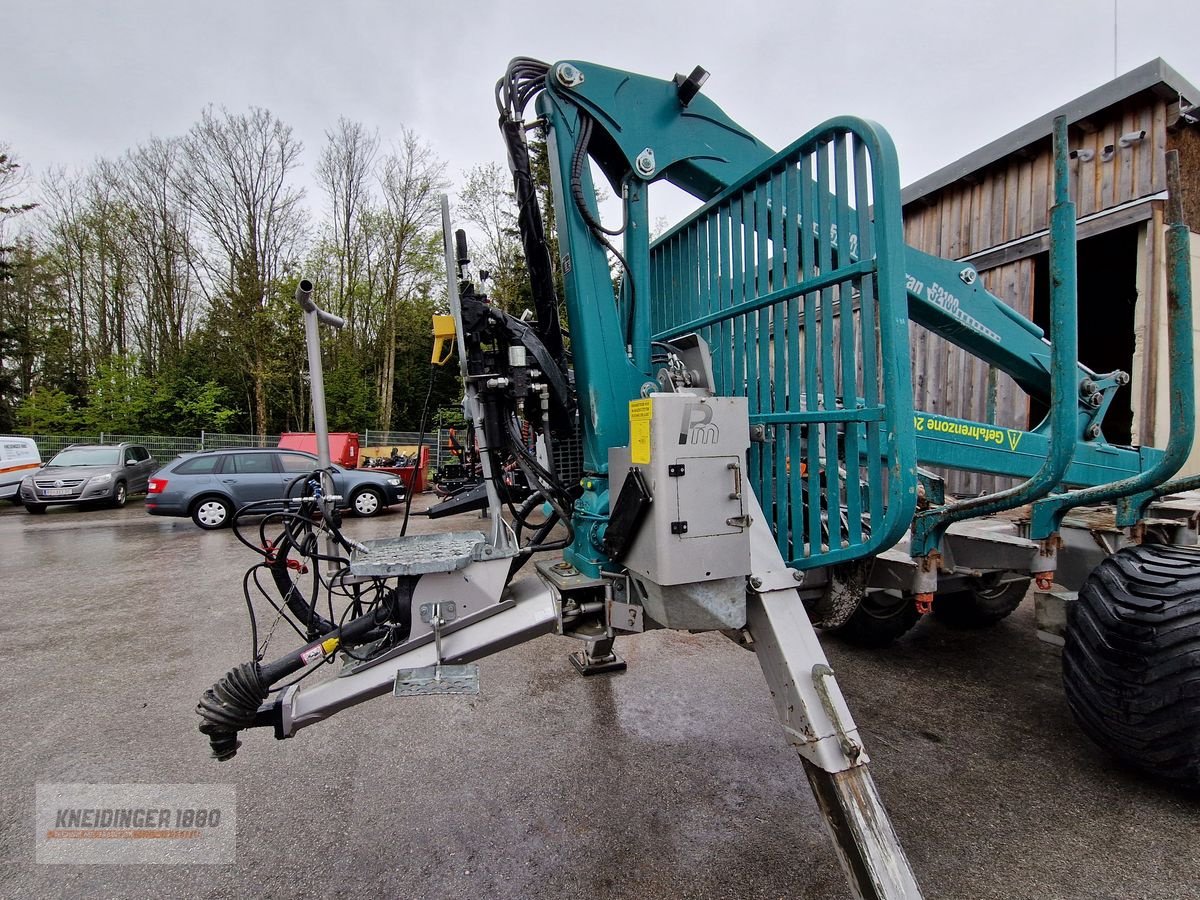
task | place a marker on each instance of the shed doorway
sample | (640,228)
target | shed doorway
(1107,300)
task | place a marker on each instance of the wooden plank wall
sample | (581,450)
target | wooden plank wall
(1005,202)
(1011,199)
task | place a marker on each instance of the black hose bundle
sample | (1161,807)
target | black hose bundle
(231,705)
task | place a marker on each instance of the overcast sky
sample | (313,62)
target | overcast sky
(87,79)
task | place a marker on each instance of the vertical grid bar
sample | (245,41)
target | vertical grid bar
(662,262)
(736,383)
(713,333)
(870,351)
(849,344)
(762,352)
(749,235)
(779,367)
(721,361)
(748,281)
(793,237)
(833,493)
(692,306)
(671,273)
(812,346)
(762,377)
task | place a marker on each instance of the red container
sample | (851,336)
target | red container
(343,445)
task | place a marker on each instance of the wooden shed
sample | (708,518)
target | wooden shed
(991,208)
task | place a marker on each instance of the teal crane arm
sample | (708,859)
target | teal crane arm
(638,130)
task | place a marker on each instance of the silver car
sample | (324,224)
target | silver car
(89,473)
(212,485)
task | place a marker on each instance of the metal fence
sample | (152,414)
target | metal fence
(166,447)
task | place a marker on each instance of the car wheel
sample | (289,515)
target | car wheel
(983,604)
(35,508)
(211,513)
(367,502)
(120,495)
(881,618)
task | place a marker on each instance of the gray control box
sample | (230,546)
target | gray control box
(692,453)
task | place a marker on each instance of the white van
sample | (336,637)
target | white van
(18,457)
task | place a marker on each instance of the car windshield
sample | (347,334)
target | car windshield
(87,456)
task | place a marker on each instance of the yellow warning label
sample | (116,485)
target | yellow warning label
(975,431)
(640,412)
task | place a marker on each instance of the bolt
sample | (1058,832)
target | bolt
(1093,431)
(797,575)
(755,582)
(1121,378)
(1088,386)
(645,162)
(968,275)
(1096,399)
(568,75)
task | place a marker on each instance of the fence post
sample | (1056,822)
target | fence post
(201,438)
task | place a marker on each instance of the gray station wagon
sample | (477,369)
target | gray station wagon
(89,473)
(210,486)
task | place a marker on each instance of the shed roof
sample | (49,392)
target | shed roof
(1155,76)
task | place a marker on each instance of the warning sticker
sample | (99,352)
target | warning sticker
(987,434)
(640,412)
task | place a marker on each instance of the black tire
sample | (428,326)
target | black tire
(36,508)
(120,495)
(880,619)
(367,502)
(212,512)
(982,605)
(1131,664)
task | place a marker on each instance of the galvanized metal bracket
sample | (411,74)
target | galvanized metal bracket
(776,580)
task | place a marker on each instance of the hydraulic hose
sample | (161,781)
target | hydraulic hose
(232,704)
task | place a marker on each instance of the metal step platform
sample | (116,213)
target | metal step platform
(421,554)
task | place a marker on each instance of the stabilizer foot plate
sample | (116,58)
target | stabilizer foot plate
(442,679)
(586,665)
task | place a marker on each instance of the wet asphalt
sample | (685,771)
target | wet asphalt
(669,780)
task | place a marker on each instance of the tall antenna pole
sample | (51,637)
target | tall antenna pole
(1114,38)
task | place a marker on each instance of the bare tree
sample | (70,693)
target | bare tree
(412,178)
(160,232)
(344,172)
(69,245)
(234,179)
(13,185)
(487,202)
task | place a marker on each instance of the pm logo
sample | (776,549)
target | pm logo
(697,426)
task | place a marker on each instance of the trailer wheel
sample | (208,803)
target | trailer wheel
(881,617)
(982,605)
(1131,664)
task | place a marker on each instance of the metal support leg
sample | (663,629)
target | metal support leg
(862,834)
(819,725)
